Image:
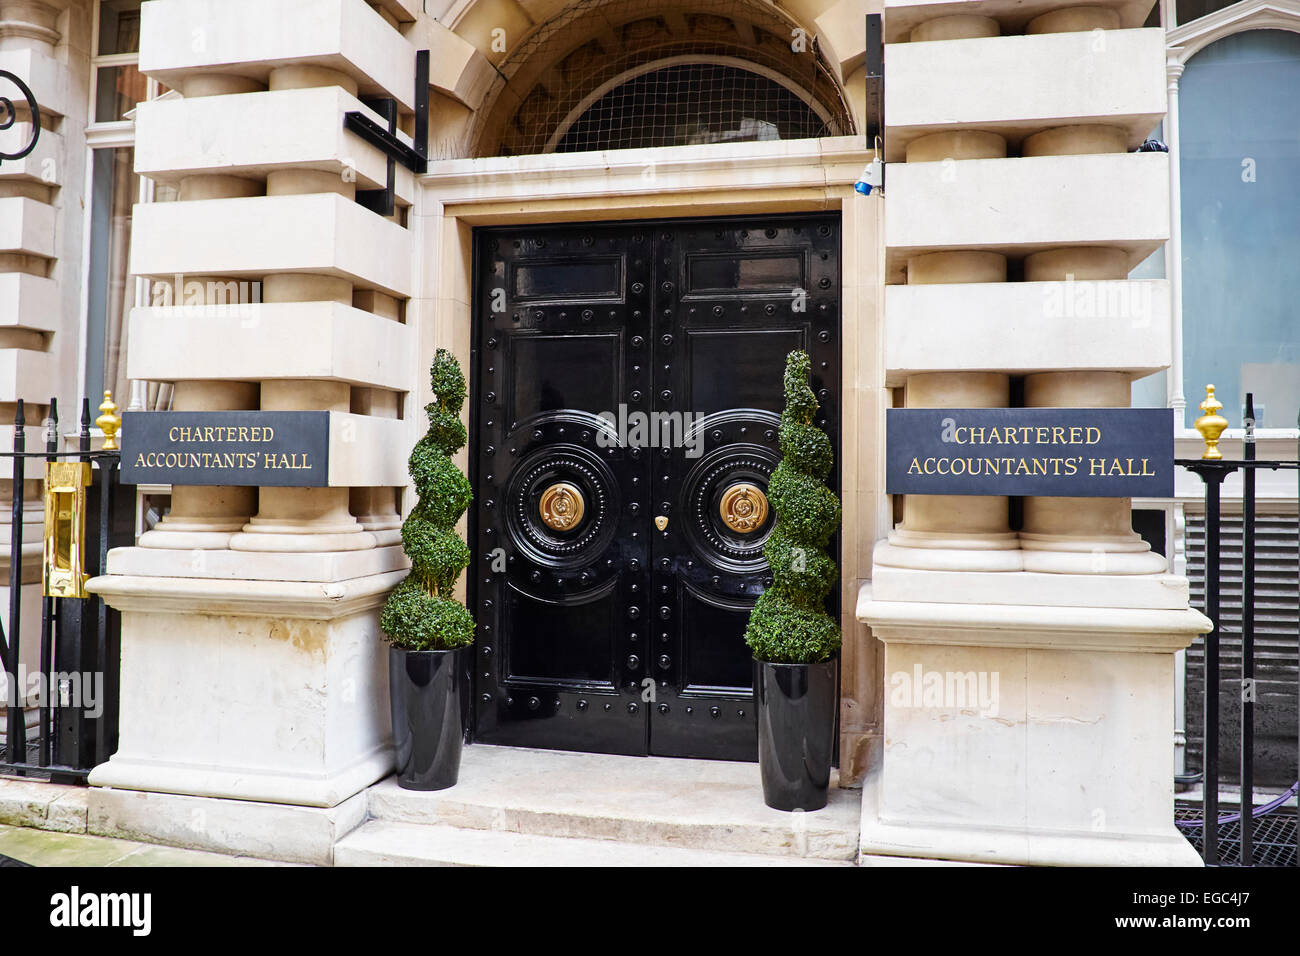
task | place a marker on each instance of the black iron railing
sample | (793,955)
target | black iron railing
(1242,827)
(77,687)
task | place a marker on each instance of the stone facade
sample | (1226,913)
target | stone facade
(251,652)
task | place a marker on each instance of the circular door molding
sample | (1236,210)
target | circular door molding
(564,506)
(730,480)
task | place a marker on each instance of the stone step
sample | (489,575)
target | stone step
(380,843)
(702,805)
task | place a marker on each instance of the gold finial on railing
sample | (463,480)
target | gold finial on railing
(109,422)
(1211,424)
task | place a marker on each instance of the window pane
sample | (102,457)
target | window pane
(593,277)
(119,27)
(120,89)
(1240,162)
(739,273)
(112,290)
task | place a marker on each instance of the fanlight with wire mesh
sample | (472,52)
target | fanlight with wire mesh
(617,74)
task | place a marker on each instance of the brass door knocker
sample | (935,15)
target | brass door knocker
(561,506)
(743,508)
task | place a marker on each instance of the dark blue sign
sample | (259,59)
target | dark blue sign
(1047,452)
(276,449)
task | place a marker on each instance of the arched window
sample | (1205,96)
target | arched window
(1239,141)
(626,74)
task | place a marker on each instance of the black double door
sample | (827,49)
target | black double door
(627,396)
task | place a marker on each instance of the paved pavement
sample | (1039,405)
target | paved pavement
(48,848)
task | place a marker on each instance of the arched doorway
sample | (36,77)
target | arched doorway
(722,134)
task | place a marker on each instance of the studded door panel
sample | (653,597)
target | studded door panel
(627,396)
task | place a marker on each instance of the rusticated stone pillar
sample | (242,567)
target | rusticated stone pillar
(305,519)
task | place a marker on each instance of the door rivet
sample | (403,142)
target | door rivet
(632,708)
(715,712)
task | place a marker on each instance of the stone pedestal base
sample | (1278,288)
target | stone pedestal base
(268,831)
(1026,734)
(970,843)
(269,691)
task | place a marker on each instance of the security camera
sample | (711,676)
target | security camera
(873,177)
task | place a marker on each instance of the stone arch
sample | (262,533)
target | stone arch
(531,61)
(1188,39)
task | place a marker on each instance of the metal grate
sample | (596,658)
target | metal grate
(690,104)
(1273,835)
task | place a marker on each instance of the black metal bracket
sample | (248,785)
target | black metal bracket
(875,66)
(415,158)
(9,115)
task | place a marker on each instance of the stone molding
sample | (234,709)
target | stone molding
(321,601)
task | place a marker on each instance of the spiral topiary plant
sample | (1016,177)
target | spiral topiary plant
(789,624)
(422,614)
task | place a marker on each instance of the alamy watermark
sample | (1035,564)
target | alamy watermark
(229,297)
(952,690)
(638,429)
(1121,299)
(71,690)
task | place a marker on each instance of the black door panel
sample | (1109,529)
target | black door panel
(627,400)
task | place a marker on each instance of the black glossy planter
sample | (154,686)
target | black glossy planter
(796,731)
(428,693)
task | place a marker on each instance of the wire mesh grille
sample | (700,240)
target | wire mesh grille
(691,104)
(609,74)
(1273,836)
